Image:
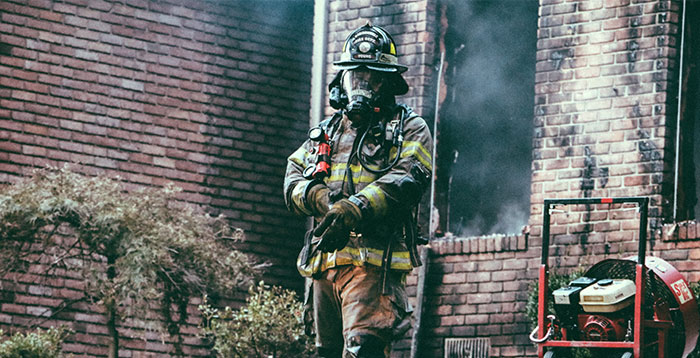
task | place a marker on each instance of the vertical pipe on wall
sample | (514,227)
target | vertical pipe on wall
(431,227)
(318,61)
(420,289)
(678,118)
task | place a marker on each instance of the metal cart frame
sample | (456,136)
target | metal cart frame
(637,344)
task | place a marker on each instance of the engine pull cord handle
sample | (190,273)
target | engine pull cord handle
(533,335)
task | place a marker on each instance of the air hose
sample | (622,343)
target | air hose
(397,141)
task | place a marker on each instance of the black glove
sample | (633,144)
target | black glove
(334,229)
(318,199)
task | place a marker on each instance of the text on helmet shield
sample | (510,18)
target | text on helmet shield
(368,39)
(363,56)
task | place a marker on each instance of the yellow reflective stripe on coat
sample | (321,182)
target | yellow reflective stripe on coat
(419,152)
(338,174)
(338,171)
(400,260)
(376,197)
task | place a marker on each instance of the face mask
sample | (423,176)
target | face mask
(363,89)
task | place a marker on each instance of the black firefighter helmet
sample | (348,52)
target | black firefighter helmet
(374,48)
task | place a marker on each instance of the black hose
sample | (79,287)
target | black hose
(399,143)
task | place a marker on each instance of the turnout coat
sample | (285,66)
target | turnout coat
(388,199)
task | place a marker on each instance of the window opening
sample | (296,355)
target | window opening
(486,122)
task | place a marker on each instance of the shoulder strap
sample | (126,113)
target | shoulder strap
(332,122)
(407,111)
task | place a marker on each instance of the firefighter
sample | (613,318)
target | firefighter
(361,175)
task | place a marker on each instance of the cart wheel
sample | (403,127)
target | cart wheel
(550,354)
(627,355)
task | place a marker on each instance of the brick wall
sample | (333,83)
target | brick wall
(604,114)
(211,96)
(604,96)
(476,287)
(605,110)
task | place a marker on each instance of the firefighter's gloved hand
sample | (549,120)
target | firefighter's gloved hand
(334,229)
(318,198)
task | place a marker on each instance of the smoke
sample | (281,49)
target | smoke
(281,13)
(512,217)
(487,116)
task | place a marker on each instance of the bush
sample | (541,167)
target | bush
(39,344)
(133,247)
(269,325)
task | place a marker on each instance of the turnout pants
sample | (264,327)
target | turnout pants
(352,318)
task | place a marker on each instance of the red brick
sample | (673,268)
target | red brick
(636,180)
(7,146)
(512,351)
(13,308)
(693,231)
(33,150)
(444,310)
(557,164)
(503,275)
(491,330)
(501,318)
(452,320)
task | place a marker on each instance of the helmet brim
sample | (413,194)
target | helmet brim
(372,65)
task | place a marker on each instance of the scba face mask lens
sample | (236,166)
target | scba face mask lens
(362,87)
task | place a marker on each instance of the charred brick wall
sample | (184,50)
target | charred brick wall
(605,112)
(605,75)
(211,96)
(604,116)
